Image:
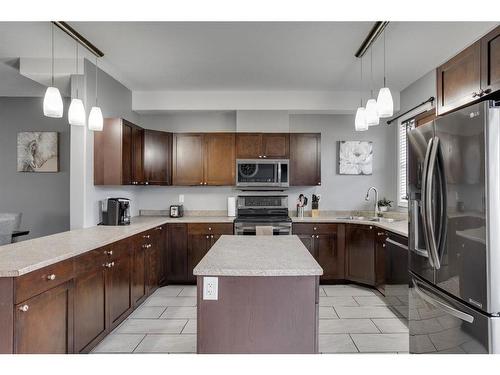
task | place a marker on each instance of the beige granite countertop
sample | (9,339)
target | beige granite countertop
(258,256)
(398,226)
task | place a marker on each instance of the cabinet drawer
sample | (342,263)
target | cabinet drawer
(91,260)
(208,228)
(313,228)
(39,281)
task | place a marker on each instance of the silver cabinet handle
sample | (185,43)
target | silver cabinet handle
(209,228)
(109,264)
(211,236)
(201,183)
(51,277)
(108,252)
(146,246)
(380,233)
(315,228)
(208,236)
(158,228)
(443,306)
(24,308)
(383,245)
(371,227)
(319,183)
(264,156)
(146,236)
(317,236)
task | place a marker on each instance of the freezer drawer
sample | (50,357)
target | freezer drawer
(440,324)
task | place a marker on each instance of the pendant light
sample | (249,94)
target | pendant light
(96,121)
(52,101)
(385,105)
(372,118)
(360,120)
(76,112)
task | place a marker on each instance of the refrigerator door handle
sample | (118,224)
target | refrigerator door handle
(443,306)
(428,205)
(423,207)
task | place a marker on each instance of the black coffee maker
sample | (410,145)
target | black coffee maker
(115,211)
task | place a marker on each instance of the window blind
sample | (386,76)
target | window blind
(402,167)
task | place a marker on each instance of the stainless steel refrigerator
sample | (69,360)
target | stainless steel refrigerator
(454,237)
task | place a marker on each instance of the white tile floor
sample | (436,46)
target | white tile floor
(352,320)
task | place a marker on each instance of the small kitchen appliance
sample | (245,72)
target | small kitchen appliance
(115,211)
(177,210)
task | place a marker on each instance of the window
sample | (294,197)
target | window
(402,198)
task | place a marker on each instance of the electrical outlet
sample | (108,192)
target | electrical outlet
(211,288)
(181,198)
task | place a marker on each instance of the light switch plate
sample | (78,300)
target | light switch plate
(181,198)
(211,288)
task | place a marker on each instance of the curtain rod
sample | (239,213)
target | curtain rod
(430,100)
(78,37)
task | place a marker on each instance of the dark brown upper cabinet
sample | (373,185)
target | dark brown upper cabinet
(470,75)
(137,156)
(262,145)
(203,159)
(490,61)
(305,159)
(459,80)
(157,157)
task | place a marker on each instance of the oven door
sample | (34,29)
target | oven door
(257,173)
(250,229)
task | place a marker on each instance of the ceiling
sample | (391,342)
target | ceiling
(155,56)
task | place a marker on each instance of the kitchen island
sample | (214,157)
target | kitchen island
(258,294)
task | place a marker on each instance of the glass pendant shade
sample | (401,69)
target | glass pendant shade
(76,113)
(385,105)
(52,103)
(360,120)
(95,119)
(372,118)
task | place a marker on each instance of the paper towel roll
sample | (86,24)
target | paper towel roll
(231,206)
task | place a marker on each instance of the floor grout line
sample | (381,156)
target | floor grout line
(139,343)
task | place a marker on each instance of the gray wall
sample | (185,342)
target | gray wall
(338,192)
(418,91)
(43,198)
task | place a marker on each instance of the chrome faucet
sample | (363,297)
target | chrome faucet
(376,199)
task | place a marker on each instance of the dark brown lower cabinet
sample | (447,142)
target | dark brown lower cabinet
(177,253)
(44,324)
(153,262)
(90,308)
(138,289)
(163,242)
(118,283)
(360,253)
(308,241)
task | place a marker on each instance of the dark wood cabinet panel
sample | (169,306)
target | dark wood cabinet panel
(153,261)
(308,241)
(220,159)
(360,254)
(126,161)
(248,145)
(157,157)
(118,289)
(177,253)
(187,159)
(305,159)
(198,247)
(44,323)
(163,242)
(275,145)
(138,287)
(459,80)
(490,61)
(90,308)
(137,155)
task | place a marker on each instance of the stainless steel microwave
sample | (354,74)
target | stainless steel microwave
(258,173)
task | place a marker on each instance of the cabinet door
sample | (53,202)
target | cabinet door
(490,61)
(90,308)
(305,159)
(126,154)
(220,155)
(137,155)
(163,242)
(118,289)
(198,246)
(44,324)
(187,159)
(157,157)
(153,263)
(275,145)
(360,246)
(138,289)
(248,145)
(330,256)
(459,80)
(177,253)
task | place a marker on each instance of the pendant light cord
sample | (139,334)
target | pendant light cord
(361,83)
(77,71)
(52,47)
(96,81)
(371,72)
(384,60)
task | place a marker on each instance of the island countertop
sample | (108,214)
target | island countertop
(258,256)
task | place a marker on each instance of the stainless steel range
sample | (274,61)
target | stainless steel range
(262,210)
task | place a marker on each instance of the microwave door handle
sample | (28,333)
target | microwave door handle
(423,206)
(428,205)
(278,172)
(441,305)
